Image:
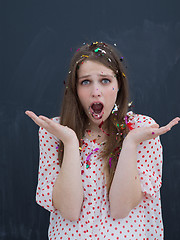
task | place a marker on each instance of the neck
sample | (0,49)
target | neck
(95,132)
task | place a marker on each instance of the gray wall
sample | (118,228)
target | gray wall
(37,40)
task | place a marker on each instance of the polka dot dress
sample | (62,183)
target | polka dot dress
(95,222)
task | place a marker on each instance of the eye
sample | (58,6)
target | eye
(85,82)
(105,81)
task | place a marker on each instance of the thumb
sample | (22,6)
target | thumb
(155,125)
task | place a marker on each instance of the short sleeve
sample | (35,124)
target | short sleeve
(149,159)
(48,168)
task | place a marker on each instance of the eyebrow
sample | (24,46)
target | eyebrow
(102,75)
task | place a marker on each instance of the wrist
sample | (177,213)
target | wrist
(129,141)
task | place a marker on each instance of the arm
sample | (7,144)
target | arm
(62,186)
(68,189)
(125,192)
(126,189)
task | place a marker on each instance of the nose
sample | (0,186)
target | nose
(96,91)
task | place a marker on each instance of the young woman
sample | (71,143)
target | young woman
(100,165)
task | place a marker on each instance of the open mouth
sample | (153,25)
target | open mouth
(96,110)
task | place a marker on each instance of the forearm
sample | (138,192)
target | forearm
(125,192)
(68,189)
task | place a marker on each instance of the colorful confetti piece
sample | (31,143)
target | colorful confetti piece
(88,157)
(110,161)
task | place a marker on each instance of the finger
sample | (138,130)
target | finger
(166,128)
(31,114)
(154,125)
(36,119)
(173,122)
(176,119)
(45,119)
(47,122)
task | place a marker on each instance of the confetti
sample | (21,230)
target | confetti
(99,49)
(104,132)
(100,125)
(96,50)
(152,132)
(110,162)
(88,131)
(82,148)
(122,126)
(88,157)
(130,104)
(123,74)
(129,124)
(85,56)
(115,109)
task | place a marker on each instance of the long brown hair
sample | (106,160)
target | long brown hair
(73,115)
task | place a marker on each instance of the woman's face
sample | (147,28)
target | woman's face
(97,89)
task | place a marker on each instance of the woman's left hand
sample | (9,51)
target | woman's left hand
(141,134)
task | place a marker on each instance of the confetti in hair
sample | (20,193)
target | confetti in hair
(86,56)
(99,49)
(115,109)
(123,74)
(130,104)
(130,125)
(100,126)
(110,161)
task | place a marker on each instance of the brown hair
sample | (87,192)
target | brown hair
(73,115)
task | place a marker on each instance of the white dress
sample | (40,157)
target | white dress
(95,223)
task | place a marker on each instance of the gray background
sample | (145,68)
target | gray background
(37,41)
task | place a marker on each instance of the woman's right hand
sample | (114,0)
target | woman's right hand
(65,134)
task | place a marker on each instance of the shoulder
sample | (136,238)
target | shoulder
(139,120)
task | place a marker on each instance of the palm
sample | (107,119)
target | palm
(62,132)
(146,133)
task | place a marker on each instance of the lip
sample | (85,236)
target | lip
(96,102)
(93,114)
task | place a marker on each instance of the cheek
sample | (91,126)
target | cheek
(111,96)
(113,92)
(82,95)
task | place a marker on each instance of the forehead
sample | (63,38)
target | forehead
(89,67)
